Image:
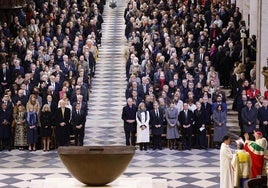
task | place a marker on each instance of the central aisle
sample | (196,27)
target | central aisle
(196,168)
(104,124)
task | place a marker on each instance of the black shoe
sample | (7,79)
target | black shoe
(160,148)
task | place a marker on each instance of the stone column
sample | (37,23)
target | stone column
(262,41)
(244,6)
(239,3)
(253,4)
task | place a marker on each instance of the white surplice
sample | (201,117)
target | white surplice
(226,171)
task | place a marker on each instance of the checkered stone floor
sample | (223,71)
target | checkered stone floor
(193,169)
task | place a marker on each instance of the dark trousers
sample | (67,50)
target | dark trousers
(186,140)
(264,130)
(130,134)
(79,137)
(201,139)
(143,146)
(63,135)
(5,144)
(157,143)
(240,123)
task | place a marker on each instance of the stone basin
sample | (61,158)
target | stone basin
(96,165)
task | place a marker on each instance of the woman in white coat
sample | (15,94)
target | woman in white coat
(143,134)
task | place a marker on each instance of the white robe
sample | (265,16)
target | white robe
(226,171)
(143,136)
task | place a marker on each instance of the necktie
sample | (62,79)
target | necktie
(156,113)
(62,112)
(4,74)
(144,88)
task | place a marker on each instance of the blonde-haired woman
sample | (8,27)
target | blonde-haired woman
(20,132)
(143,118)
(33,103)
(46,131)
(32,122)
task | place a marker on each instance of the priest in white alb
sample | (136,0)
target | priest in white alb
(226,170)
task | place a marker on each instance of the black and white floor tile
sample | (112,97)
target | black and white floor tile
(194,169)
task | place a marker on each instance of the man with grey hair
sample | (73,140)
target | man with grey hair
(62,117)
(129,118)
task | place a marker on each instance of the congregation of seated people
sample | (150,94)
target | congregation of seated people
(48,55)
(182,56)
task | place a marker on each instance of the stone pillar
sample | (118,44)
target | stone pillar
(239,3)
(262,42)
(244,6)
(253,4)
(245,12)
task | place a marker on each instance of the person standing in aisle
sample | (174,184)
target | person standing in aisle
(249,118)
(256,149)
(263,118)
(32,123)
(62,117)
(130,124)
(199,127)
(143,130)
(186,118)
(5,127)
(78,121)
(172,126)
(226,171)
(220,129)
(241,164)
(156,122)
(46,123)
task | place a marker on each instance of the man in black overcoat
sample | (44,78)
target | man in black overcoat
(186,118)
(78,121)
(130,124)
(5,127)
(156,123)
(62,117)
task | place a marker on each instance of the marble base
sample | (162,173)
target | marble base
(140,182)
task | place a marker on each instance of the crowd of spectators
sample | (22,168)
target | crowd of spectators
(186,52)
(48,55)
